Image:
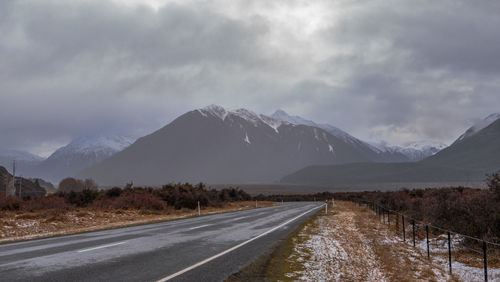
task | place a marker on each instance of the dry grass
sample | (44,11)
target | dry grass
(351,244)
(28,225)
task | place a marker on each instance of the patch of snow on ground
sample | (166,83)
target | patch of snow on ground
(439,245)
(327,255)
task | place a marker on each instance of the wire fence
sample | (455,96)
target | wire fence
(472,259)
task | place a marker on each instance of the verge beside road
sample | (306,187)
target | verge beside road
(21,225)
(348,244)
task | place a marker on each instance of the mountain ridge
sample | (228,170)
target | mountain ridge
(468,160)
(216,145)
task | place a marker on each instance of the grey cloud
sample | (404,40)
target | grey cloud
(424,68)
(81,67)
(458,35)
(392,70)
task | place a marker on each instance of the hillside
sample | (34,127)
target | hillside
(411,152)
(468,160)
(215,145)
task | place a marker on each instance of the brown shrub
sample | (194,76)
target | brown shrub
(76,185)
(52,202)
(136,200)
(10,203)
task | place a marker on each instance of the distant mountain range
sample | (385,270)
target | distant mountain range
(217,145)
(474,154)
(22,158)
(410,152)
(79,154)
(68,160)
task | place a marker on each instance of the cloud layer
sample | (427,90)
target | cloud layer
(393,70)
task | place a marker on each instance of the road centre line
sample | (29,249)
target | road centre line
(101,247)
(201,226)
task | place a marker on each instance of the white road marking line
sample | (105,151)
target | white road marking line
(201,226)
(238,218)
(103,246)
(234,248)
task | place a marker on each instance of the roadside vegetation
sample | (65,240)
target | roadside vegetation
(78,194)
(80,207)
(348,244)
(469,211)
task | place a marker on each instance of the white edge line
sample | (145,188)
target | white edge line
(233,248)
(201,226)
(103,246)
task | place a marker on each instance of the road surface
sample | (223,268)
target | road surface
(206,248)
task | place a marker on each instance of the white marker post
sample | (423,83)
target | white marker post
(199,212)
(326,206)
(333,203)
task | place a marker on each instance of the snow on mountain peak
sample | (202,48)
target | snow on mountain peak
(492,118)
(478,126)
(214,110)
(253,118)
(117,143)
(282,115)
(297,120)
(425,145)
(19,155)
(414,151)
(102,145)
(247,115)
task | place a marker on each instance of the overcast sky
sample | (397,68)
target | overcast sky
(398,71)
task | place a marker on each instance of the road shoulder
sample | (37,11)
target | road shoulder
(348,244)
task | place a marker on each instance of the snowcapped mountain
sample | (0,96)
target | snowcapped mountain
(283,116)
(255,119)
(414,151)
(217,145)
(466,161)
(92,147)
(79,154)
(478,126)
(24,160)
(20,156)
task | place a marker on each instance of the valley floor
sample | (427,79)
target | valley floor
(351,244)
(22,225)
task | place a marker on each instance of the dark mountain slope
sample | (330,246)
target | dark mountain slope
(468,160)
(218,146)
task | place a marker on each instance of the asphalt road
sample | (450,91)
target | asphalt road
(206,248)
